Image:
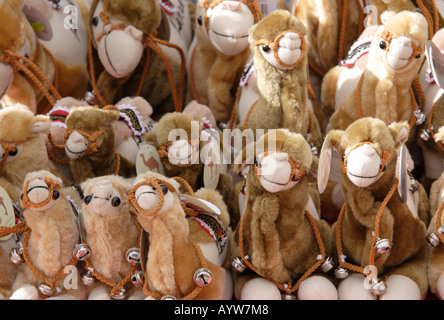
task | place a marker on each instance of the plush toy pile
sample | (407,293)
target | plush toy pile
(221,150)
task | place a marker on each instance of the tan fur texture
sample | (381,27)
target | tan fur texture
(385,93)
(278,237)
(408,255)
(156,89)
(103,161)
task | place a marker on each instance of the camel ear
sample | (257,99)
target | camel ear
(400,132)
(40,123)
(331,142)
(111,115)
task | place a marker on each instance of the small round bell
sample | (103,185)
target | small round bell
(420,117)
(88,279)
(82,252)
(382,246)
(314,150)
(138,279)
(239,264)
(168,297)
(378,288)
(119,296)
(132,255)
(90,97)
(433,239)
(16,255)
(288,296)
(341,273)
(424,135)
(202,277)
(46,289)
(327,265)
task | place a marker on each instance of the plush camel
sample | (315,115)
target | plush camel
(395,56)
(278,49)
(49,243)
(219,51)
(381,228)
(434,230)
(126,56)
(278,240)
(42,76)
(110,232)
(90,144)
(175,265)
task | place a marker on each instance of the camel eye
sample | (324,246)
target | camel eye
(383,45)
(87,199)
(13,152)
(418,56)
(199,20)
(55,195)
(115,202)
(265,48)
(164,189)
(95,21)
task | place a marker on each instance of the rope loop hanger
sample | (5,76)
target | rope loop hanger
(151,42)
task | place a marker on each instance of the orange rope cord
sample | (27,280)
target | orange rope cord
(51,281)
(191,75)
(20,227)
(429,128)
(343,28)
(287,287)
(371,260)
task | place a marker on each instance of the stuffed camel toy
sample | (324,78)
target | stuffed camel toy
(23,149)
(435,239)
(219,51)
(381,228)
(29,73)
(112,233)
(279,53)
(141,68)
(90,144)
(49,242)
(186,157)
(175,265)
(395,55)
(277,240)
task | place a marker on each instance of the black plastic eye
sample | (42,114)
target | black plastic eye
(418,56)
(293,178)
(13,152)
(115,202)
(265,48)
(382,168)
(95,21)
(87,199)
(55,195)
(21,196)
(383,45)
(256,161)
(199,20)
(164,189)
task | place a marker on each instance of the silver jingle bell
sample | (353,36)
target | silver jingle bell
(288,296)
(420,117)
(424,135)
(120,296)
(46,289)
(82,252)
(378,288)
(202,277)
(382,246)
(239,264)
(314,150)
(327,265)
(88,279)
(341,273)
(132,255)
(138,279)
(16,255)
(433,239)
(168,297)
(90,97)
